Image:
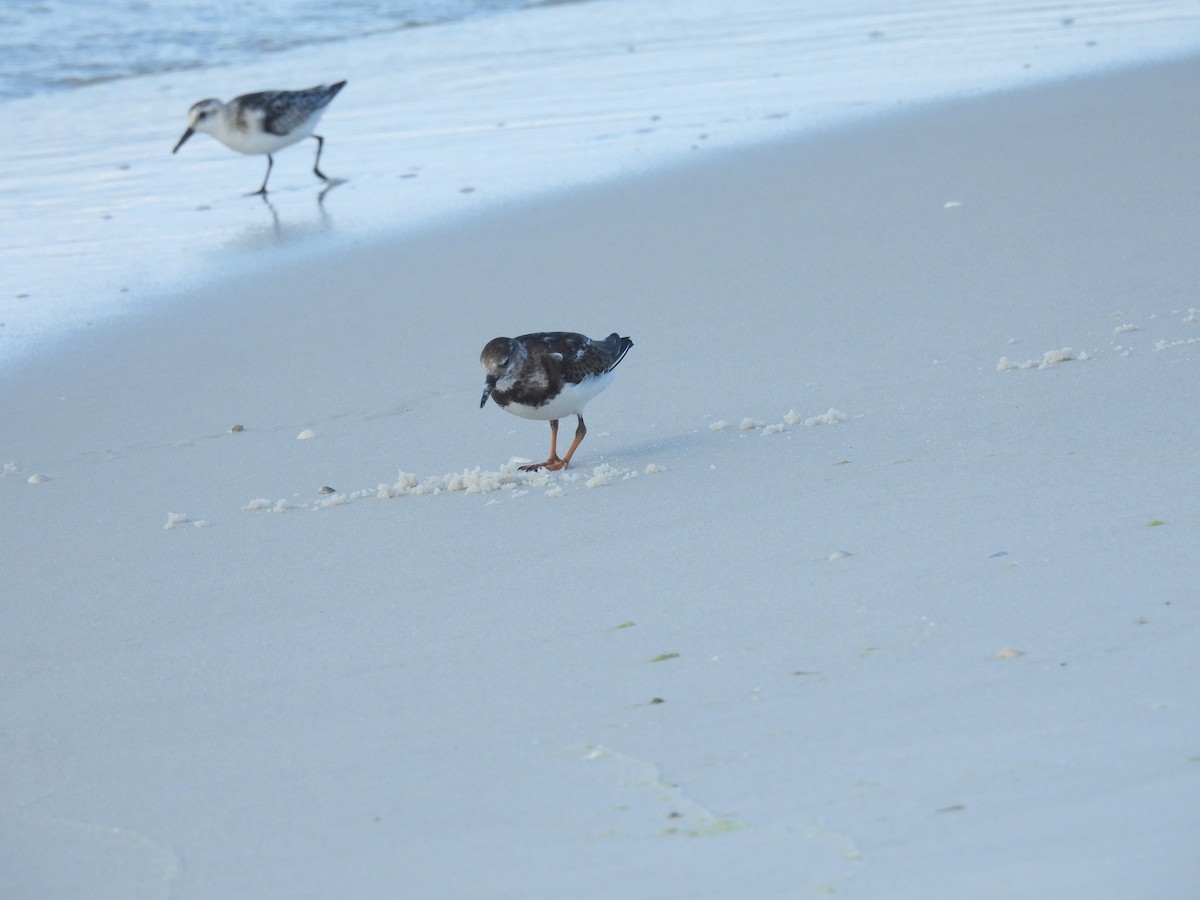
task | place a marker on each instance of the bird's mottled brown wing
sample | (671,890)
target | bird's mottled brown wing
(576,356)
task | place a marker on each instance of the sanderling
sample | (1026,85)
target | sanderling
(549,375)
(264,122)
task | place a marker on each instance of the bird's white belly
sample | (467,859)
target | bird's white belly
(255,139)
(263,141)
(569,402)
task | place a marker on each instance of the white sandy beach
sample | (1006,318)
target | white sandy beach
(933,636)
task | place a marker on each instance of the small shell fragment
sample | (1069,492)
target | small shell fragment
(306,434)
(1009,653)
(36,479)
(234,429)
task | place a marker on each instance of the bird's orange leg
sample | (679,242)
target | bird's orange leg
(553,462)
(580,431)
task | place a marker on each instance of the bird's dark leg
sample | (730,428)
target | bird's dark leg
(317,163)
(580,431)
(263,189)
(553,462)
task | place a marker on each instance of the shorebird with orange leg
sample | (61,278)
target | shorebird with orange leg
(549,375)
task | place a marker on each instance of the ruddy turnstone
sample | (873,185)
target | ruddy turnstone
(264,122)
(549,375)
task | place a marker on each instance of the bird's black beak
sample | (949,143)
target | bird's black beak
(187,134)
(488,387)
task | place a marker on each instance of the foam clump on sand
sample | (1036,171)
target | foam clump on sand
(277,506)
(830,417)
(508,477)
(604,474)
(1167,345)
(600,476)
(1049,358)
(174,519)
(469,481)
(790,420)
(9,469)
(336,499)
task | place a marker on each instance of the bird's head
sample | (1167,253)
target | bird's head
(500,358)
(202,116)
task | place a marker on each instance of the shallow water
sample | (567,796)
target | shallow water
(449,120)
(51,45)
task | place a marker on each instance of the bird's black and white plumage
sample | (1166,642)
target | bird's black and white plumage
(264,122)
(549,375)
